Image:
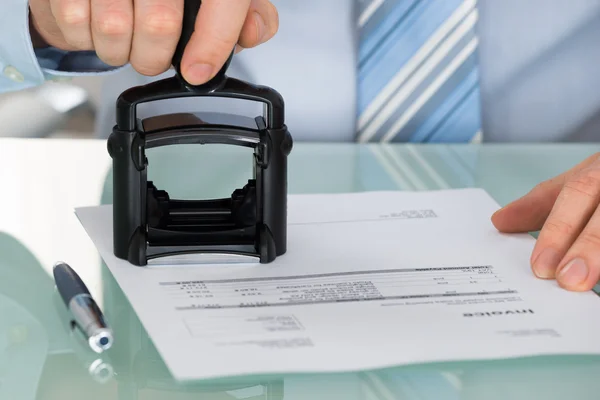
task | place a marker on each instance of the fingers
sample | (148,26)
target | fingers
(218,27)
(574,206)
(157,32)
(73,18)
(44,23)
(145,33)
(112,29)
(578,267)
(528,213)
(565,210)
(261,24)
(579,270)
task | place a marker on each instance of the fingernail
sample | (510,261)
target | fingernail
(198,74)
(261,27)
(573,273)
(546,263)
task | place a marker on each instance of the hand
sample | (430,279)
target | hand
(145,33)
(565,210)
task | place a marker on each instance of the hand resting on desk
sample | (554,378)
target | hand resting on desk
(565,210)
(145,33)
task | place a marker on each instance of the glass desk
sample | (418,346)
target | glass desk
(44,180)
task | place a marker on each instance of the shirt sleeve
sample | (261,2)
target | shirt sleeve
(22,66)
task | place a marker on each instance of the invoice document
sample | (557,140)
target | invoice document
(369,280)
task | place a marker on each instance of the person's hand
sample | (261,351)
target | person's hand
(565,209)
(145,33)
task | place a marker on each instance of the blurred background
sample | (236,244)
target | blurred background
(54,110)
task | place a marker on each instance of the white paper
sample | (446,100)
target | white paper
(370,280)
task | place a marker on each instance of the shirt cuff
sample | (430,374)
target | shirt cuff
(22,66)
(56,62)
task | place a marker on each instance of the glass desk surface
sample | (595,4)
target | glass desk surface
(44,180)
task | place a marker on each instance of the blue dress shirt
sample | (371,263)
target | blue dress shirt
(538,65)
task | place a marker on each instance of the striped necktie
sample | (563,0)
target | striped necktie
(418,77)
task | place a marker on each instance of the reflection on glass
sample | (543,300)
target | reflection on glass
(42,357)
(140,372)
(33,341)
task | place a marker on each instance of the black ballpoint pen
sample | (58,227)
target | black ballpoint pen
(86,313)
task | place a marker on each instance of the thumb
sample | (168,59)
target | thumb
(218,27)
